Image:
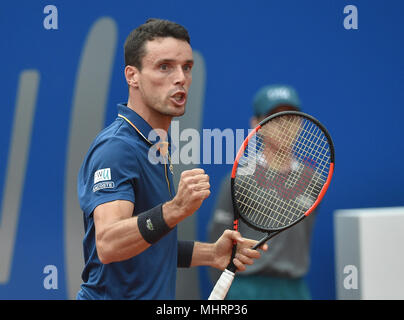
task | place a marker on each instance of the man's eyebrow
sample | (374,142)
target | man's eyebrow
(190,61)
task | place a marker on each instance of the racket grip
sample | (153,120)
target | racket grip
(222,286)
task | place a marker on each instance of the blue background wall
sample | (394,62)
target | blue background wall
(352,80)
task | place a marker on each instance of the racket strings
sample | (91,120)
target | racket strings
(262,210)
(282,171)
(259,206)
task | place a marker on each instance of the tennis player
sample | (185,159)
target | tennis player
(130,207)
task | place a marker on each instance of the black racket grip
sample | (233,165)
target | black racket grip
(231,267)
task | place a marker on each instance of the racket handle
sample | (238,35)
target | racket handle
(222,286)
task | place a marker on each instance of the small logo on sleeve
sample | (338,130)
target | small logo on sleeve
(102,175)
(104,185)
(102,180)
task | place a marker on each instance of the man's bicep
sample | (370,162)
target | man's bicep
(110,212)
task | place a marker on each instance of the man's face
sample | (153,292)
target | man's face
(166,75)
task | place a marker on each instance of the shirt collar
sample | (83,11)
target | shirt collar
(138,123)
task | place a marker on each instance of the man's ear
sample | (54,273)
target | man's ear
(132,76)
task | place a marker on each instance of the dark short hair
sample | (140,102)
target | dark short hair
(153,28)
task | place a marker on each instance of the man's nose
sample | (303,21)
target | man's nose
(179,76)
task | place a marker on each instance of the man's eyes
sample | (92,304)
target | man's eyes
(187,68)
(168,67)
(164,67)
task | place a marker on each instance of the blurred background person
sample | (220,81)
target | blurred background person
(280,273)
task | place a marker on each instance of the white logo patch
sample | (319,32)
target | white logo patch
(102,175)
(104,185)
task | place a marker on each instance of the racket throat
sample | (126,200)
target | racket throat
(265,239)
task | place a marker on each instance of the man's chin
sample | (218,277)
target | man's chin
(180,114)
(175,111)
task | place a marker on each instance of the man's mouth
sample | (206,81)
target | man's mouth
(179,97)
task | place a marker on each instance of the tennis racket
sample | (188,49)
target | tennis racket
(280,175)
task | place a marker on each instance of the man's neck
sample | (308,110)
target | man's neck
(157,121)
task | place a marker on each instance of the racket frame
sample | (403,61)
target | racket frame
(274,231)
(222,286)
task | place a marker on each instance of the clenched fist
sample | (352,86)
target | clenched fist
(193,189)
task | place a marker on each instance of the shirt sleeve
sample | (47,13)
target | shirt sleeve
(108,174)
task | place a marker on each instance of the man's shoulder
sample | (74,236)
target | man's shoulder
(115,137)
(112,147)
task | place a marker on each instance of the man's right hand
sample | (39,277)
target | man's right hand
(193,189)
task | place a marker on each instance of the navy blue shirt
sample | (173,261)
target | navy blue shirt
(117,167)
